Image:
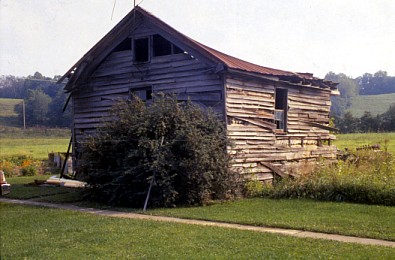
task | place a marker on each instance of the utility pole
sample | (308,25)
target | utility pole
(24,114)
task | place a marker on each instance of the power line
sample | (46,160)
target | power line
(113,8)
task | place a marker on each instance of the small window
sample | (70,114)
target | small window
(161,46)
(177,50)
(281,107)
(145,94)
(141,50)
(125,45)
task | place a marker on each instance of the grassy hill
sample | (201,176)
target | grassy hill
(10,109)
(376,104)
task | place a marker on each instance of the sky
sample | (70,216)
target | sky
(343,36)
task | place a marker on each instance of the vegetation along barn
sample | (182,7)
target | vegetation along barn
(277,119)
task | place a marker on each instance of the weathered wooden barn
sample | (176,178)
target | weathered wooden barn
(277,119)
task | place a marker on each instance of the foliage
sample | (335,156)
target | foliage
(347,87)
(367,123)
(44,100)
(378,83)
(25,233)
(37,107)
(253,188)
(364,176)
(20,165)
(183,147)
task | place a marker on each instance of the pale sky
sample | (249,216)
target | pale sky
(317,36)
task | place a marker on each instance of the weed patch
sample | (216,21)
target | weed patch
(362,177)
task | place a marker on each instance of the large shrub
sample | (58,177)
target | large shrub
(183,147)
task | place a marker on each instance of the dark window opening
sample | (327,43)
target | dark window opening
(145,94)
(125,45)
(161,46)
(177,50)
(280,113)
(141,50)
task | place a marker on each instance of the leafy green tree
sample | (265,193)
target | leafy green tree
(368,123)
(178,148)
(37,107)
(378,83)
(348,88)
(57,117)
(348,123)
(388,119)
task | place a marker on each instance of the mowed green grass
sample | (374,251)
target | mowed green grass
(37,148)
(352,141)
(330,217)
(22,189)
(44,233)
(376,104)
(9,114)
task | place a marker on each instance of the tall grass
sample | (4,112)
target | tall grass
(363,177)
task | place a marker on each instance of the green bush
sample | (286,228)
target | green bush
(20,165)
(29,170)
(183,147)
(253,188)
(363,177)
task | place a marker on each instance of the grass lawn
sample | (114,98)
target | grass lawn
(43,233)
(332,217)
(46,194)
(353,141)
(37,148)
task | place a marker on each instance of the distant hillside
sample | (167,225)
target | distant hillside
(9,112)
(375,104)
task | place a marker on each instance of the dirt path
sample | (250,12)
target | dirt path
(288,232)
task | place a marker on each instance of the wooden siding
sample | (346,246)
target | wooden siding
(117,75)
(250,110)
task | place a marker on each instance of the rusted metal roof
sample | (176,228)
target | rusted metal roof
(229,62)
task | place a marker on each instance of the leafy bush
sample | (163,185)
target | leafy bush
(20,165)
(364,177)
(253,188)
(177,147)
(8,168)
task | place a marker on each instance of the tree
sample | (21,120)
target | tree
(348,124)
(37,107)
(348,88)
(368,123)
(178,148)
(388,119)
(56,116)
(378,83)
